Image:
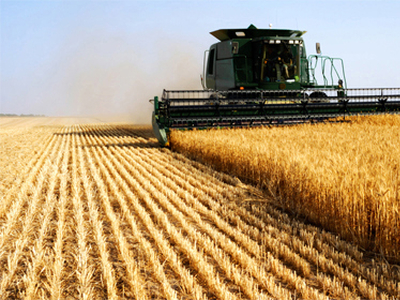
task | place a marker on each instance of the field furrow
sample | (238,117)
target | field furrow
(21,225)
(175,205)
(173,232)
(22,184)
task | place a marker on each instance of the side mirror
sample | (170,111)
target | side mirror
(318,48)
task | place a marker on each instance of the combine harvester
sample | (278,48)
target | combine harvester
(256,77)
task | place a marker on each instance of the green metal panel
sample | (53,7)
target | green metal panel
(225,74)
(159,130)
(224,50)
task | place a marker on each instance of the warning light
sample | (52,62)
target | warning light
(241,88)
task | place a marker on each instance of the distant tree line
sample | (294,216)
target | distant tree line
(21,115)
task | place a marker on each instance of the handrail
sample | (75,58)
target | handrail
(203,78)
(313,64)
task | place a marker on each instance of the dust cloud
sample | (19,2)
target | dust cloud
(111,76)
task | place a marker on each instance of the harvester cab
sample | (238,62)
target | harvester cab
(256,77)
(266,59)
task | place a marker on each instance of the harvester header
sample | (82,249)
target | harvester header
(255,77)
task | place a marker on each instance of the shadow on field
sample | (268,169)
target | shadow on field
(142,136)
(144,131)
(145,144)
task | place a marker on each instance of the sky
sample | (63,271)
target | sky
(108,58)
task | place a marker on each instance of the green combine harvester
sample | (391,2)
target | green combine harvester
(256,77)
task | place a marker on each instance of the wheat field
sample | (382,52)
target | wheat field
(100,211)
(342,176)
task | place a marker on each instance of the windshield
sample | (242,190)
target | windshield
(278,62)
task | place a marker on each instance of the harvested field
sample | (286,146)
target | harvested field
(99,211)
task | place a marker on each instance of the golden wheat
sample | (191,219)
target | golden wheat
(343,176)
(98,211)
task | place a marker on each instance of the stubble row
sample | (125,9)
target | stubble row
(103,213)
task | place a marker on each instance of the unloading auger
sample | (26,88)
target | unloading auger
(256,77)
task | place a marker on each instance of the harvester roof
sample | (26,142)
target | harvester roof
(253,32)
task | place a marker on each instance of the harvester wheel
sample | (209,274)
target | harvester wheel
(318,97)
